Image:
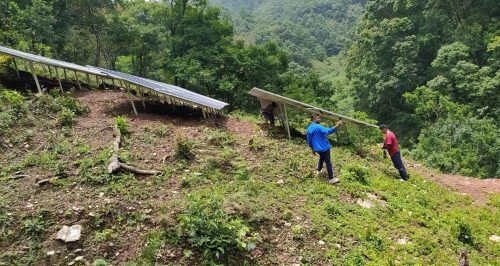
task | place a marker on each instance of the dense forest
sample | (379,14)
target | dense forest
(427,68)
(306,29)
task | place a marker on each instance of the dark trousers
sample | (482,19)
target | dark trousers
(269,117)
(398,163)
(325,157)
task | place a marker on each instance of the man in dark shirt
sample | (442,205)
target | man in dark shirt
(391,145)
(268,112)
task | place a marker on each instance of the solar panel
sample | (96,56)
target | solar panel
(48,61)
(262,94)
(167,89)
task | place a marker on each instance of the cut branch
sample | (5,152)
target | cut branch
(114,163)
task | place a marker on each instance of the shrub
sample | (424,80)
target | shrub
(184,149)
(122,124)
(66,117)
(14,99)
(211,231)
(463,233)
(354,172)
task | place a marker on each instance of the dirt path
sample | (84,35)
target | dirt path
(477,189)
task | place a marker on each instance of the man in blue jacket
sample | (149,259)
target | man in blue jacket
(317,140)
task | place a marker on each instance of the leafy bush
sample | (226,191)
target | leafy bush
(184,149)
(355,172)
(13,98)
(66,117)
(122,124)
(463,232)
(211,231)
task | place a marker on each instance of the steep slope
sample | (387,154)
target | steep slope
(261,179)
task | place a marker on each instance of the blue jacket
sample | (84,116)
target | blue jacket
(316,137)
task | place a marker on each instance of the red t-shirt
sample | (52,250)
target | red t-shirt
(390,139)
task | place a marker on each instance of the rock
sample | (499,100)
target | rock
(402,241)
(77,250)
(495,238)
(338,246)
(79,258)
(287,224)
(279,182)
(321,243)
(101,194)
(50,253)
(367,204)
(69,234)
(71,263)
(197,174)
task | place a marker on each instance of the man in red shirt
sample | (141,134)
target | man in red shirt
(391,145)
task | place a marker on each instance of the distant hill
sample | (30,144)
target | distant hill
(314,29)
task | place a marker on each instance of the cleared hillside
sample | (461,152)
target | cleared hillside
(217,178)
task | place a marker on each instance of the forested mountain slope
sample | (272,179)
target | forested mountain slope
(314,29)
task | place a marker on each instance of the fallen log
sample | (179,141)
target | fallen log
(114,163)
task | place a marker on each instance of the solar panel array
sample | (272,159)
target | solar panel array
(262,94)
(48,61)
(166,89)
(162,88)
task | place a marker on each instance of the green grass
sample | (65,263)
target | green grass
(265,187)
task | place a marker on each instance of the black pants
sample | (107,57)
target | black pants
(269,117)
(325,157)
(398,163)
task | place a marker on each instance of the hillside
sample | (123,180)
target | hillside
(229,185)
(306,29)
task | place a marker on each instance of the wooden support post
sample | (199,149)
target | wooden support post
(15,67)
(130,97)
(35,78)
(59,80)
(50,72)
(97,81)
(113,80)
(88,80)
(142,99)
(65,74)
(78,81)
(287,126)
(203,112)
(103,83)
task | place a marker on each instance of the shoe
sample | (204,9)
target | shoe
(317,173)
(333,181)
(402,180)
